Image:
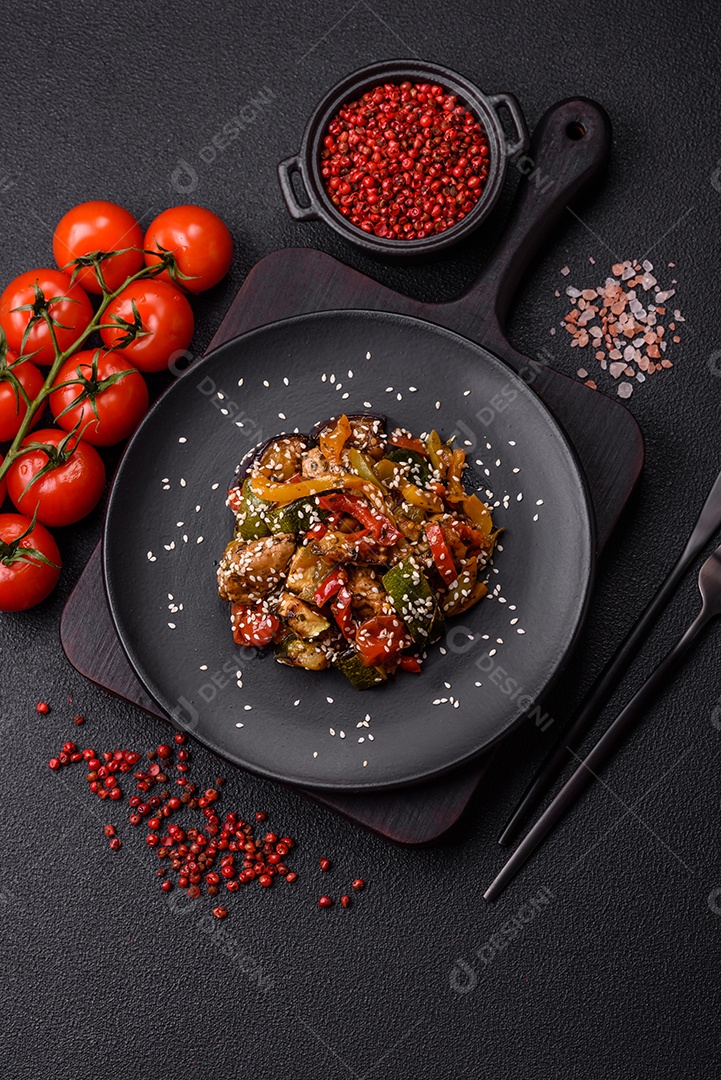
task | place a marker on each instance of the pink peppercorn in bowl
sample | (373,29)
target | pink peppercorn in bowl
(403,158)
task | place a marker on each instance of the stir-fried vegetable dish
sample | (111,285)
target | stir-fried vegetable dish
(352,546)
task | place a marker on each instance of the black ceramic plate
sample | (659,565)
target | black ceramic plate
(167,525)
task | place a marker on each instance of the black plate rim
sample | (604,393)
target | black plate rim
(370,786)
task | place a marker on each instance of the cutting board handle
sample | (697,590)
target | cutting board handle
(570,146)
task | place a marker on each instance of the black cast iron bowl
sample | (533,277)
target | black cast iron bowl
(306,163)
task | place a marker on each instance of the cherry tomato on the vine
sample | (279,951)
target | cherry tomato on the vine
(67,306)
(99,225)
(12,404)
(200,241)
(162,318)
(29,563)
(71,483)
(110,381)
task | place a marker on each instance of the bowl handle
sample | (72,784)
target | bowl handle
(523,140)
(285,171)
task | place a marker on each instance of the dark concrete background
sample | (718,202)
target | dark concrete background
(617,975)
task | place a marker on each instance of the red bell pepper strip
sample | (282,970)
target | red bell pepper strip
(410,663)
(380,639)
(253,624)
(329,586)
(380,527)
(317,531)
(235,499)
(474,538)
(341,608)
(405,442)
(441,553)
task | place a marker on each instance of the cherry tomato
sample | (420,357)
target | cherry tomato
(252,625)
(163,315)
(120,404)
(70,314)
(12,407)
(29,563)
(200,241)
(69,490)
(381,638)
(3,486)
(99,226)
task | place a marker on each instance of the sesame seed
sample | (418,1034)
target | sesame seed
(238,724)
(182,439)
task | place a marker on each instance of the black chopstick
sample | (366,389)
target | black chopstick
(597,757)
(709,521)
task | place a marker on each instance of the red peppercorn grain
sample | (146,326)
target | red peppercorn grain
(345,901)
(325,865)
(325,901)
(404,162)
(43,708)
(220,912)
(359,884)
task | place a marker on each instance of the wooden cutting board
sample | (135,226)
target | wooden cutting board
(606,437)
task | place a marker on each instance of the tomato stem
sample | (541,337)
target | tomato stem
(34,405)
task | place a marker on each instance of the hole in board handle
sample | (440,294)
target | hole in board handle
(575,130)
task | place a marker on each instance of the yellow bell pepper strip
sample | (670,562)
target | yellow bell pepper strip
(454,482)
(433,445)
(465,591)
(287,493)
(387,469)
(441,553)
(424,499)
(478,512)
(380,527)
(331,442)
